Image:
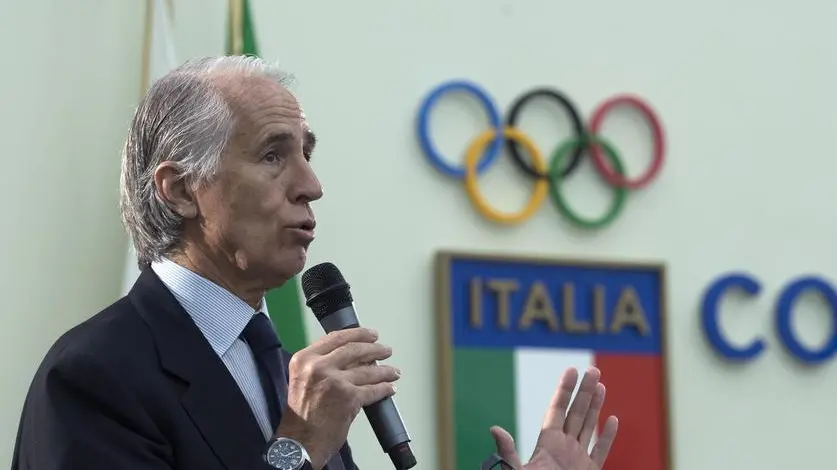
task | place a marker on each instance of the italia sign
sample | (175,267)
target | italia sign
(509,327)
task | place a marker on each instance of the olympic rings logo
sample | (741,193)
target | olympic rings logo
(564,159)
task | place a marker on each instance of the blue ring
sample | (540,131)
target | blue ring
(429,148)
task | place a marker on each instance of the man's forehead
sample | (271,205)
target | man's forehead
(265,111)
(247,91)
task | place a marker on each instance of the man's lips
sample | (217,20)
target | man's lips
(305,229)
(307,224)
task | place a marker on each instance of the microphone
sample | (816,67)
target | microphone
(329,297)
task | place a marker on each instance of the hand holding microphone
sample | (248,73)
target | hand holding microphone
(331,380)
(329,297)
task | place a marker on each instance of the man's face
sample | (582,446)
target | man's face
(257,212)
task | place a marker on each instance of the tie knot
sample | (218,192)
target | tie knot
(260,335)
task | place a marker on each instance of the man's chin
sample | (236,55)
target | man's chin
(280,268)
(293,263)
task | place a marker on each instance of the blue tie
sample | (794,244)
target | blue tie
(265,344)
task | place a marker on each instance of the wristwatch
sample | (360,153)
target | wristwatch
(287,454)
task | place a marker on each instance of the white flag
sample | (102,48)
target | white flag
(159,58)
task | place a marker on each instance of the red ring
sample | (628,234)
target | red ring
(659,143)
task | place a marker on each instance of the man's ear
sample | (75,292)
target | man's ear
(175,190)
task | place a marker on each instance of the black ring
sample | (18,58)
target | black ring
(565,102)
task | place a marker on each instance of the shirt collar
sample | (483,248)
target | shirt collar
(218,314)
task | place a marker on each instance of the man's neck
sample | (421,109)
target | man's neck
(224,274)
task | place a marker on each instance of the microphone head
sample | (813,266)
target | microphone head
(325,290)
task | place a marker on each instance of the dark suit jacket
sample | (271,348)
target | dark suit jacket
(138,387)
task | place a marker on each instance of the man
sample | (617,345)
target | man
(186,372)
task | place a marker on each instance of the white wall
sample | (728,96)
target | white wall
(70,75)
(745,93)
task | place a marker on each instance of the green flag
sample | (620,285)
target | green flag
(284,303)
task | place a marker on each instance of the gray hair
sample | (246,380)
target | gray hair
(185,119)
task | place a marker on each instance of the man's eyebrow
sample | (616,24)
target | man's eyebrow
(277,139)
(310,140)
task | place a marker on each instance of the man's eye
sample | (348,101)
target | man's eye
(271,157)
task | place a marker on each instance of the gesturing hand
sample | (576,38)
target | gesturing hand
(565,435)
(330,381)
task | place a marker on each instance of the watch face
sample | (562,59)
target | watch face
(285,455)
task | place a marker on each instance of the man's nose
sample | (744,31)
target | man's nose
(307,187)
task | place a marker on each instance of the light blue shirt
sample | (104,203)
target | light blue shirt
(221,317)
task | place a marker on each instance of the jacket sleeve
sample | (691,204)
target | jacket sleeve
(348,460)
(81,416)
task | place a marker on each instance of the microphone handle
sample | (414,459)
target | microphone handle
(382,415)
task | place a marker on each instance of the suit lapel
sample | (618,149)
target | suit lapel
(212,399)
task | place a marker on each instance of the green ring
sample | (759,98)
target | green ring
(555,167)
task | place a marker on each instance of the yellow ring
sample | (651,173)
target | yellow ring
(539,193)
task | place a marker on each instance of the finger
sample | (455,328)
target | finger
(605,441)
(505,446)
(352,355)
(592,418)
(581,405)
(554,417)
(336,339)
(374,393)
(372,374)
